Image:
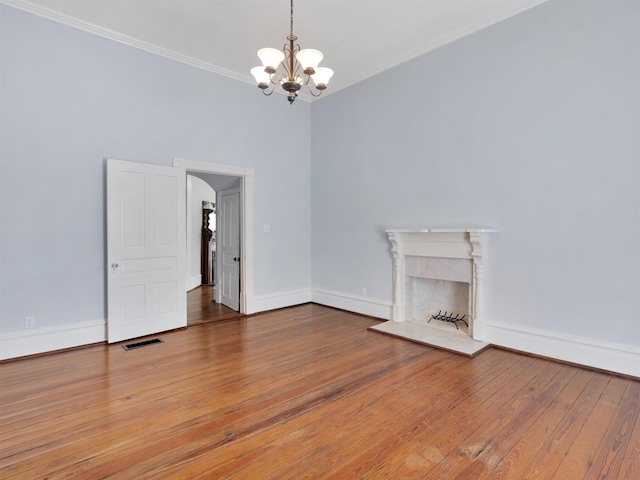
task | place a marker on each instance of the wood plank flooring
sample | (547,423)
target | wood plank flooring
(202,309)
(309,393)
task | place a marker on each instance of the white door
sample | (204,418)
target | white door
(228,248)
(146,249)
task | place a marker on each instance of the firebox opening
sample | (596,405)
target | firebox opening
(432,298)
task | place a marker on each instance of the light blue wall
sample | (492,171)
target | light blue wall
(531,126)
(68,99)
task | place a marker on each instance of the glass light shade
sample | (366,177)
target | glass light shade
(270,57)
(309,58)
(322,75)
(260,75)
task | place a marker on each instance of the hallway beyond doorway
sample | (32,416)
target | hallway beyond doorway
(202,309)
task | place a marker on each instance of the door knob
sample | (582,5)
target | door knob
(114,266)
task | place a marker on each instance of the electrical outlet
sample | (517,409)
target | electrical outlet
(364,292)
(29,322)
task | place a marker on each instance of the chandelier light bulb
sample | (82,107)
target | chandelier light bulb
(309,58)
(321,77)
(270,58)
(260,75)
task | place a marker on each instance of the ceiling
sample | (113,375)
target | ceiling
(359,38)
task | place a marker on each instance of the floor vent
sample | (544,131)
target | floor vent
(131,346)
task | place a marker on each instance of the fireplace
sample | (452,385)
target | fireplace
(439,287)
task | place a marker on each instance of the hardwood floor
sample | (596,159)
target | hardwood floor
(309,393)
(201,308)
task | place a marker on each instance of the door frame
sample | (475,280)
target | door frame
(246,175)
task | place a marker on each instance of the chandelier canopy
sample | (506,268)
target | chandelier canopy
(291,68)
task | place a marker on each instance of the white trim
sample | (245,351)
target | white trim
(88,27)
(262,303)
(194,282)
(609,356)
(353,303)
(613,357)
(246,228)
(109,34)
(206,167)
(31,342)
(450,37)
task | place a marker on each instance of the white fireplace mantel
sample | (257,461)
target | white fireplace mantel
(455,243)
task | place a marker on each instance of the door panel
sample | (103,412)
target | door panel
(146,249)
(229,248)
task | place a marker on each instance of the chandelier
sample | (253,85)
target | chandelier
(298,68)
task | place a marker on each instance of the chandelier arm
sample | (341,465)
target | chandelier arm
(308,79)
(279,79)
(311,91)
(295,75)
(264,92)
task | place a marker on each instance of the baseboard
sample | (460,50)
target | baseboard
(194,282)
(609,356)
(42,340)
(263,303)
(353,303)
(612,357)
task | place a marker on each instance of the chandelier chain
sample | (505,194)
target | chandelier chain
(291,17)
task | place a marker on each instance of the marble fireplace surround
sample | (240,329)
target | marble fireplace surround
(451,254)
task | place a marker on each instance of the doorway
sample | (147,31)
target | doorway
(203,302)
(213,250)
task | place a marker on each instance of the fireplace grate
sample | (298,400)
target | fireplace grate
(449,318)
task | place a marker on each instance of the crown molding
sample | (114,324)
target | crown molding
(88,27)
(404,56)
(49,14)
